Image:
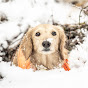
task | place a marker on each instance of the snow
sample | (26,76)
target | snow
(79,56)
(16,77)
(29,13)
(35,10)
(49,39)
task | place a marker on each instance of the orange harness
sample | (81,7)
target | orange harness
(66,65)
(26,64)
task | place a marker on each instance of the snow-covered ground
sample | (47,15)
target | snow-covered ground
(16,77)
(31,13)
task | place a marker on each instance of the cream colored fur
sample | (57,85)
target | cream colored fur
(31,46)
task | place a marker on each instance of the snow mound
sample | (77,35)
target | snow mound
(15,77)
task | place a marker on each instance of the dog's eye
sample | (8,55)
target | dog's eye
(53,33)
(37,34)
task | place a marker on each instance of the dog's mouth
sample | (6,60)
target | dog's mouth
(46,49)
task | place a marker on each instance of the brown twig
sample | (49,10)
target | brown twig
(83,8)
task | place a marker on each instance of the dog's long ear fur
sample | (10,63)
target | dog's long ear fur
(26,44)
(62,39)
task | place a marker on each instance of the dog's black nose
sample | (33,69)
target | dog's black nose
(46,44)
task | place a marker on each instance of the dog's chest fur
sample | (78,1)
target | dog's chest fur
(48,60)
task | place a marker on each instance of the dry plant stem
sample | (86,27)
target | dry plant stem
(83,8)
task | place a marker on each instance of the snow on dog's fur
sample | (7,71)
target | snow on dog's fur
(37,46)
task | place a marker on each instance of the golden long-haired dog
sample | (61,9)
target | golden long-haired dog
(44,45)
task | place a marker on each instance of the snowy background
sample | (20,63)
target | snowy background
(15,18)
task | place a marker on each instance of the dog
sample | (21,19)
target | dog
(44,45)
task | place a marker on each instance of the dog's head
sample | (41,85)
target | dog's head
(44,39)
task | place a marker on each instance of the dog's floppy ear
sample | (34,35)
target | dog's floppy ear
(62,39)
(26,44)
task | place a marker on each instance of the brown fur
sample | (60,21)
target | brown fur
(32,46)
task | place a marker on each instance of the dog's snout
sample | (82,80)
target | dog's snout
(46,44)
